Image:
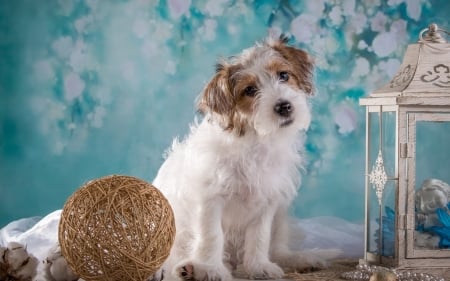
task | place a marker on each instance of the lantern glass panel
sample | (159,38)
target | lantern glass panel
(381,207)
(432,178)
(388,144)
(432,151)
(387,213)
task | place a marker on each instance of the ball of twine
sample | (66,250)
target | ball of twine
(116,228)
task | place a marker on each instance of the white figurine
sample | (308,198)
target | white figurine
(432,195)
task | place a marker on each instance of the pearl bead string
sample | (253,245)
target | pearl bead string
(364,272)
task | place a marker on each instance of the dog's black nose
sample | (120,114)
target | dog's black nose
(283,108)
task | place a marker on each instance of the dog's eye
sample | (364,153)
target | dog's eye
(250,91)
(283,76)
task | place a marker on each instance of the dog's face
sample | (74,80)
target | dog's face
(264,90)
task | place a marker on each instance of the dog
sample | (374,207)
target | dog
(231,181)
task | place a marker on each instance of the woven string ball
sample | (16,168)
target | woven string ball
(116,228)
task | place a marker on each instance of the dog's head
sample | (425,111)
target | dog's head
(264,90)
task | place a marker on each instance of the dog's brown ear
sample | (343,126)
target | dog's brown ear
(302,62)
(216,96)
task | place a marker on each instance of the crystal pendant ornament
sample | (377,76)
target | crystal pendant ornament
(378,177)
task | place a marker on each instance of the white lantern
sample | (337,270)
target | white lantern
(408,161)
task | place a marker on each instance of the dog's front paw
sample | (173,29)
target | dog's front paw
(263,270)
(190,271)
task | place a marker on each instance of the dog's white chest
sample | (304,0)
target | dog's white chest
(256,174)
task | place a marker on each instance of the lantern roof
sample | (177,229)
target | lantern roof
(424,72)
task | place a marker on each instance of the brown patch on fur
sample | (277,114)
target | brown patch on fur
(216,96)
(301,62)
(221,98)
(278,66)
(240,82)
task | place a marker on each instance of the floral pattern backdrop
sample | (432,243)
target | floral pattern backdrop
(90,88)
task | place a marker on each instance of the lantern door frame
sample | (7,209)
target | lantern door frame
(414,115)
(380,106)
(407,110)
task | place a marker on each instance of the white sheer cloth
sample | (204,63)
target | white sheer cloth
(40,235)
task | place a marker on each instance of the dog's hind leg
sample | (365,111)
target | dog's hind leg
(301,261)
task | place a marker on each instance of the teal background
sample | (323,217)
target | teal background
(92,88)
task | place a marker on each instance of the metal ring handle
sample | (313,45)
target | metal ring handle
(433,34)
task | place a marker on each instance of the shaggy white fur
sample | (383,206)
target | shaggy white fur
(231,181)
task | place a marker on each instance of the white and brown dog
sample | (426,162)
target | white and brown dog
(231,181)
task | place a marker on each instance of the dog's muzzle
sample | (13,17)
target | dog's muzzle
(283,108)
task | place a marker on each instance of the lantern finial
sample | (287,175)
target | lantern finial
(432,35)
